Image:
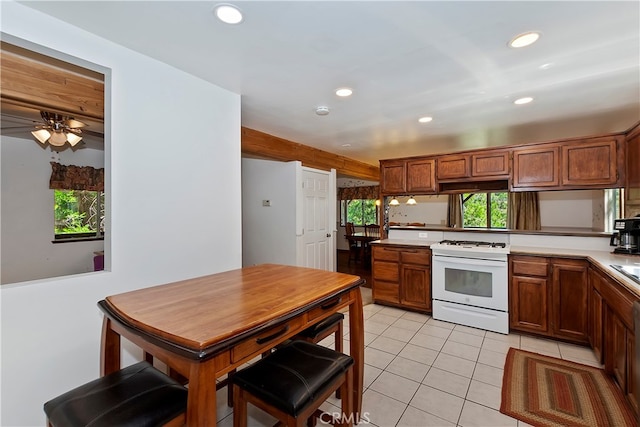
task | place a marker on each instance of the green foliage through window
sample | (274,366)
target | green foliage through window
(359,212)
(484,210)
(78,212)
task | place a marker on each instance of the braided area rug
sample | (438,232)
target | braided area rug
(546,391)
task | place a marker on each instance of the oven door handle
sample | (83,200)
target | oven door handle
(469,261)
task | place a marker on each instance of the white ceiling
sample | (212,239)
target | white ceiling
(446,59)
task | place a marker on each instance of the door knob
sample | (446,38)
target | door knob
(328,234)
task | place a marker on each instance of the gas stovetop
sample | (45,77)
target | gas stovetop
(469,247)
(472,243)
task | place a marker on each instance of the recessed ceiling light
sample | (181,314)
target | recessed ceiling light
(346,145)
(425,119)
(344,91)
(525,100)
(228,14)
(546,66)
(524,39)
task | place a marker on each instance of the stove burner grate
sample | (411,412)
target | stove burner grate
(473,243)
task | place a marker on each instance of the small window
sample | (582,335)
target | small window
(78,214)
(359,212)
(484,210)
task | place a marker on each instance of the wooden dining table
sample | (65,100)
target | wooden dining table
(204,327)
(364,241)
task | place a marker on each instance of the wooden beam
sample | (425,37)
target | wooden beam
(38,84)
(263,145)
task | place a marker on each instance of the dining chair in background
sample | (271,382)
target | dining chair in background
(354,246)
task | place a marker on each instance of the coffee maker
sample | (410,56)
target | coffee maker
(627,237)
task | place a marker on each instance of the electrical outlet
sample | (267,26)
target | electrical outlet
(422,235)
(266,203)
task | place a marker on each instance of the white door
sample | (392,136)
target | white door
(317,227)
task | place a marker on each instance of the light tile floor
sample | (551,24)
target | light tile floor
(424,372)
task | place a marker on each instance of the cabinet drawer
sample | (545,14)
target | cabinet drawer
(384,291)
(330,307)
(418,256)
(384,270)
(529,267)
(386,254)
(266,339)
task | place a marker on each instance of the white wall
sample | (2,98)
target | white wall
(27,213)
(176,174)
(268,232)
(568,208)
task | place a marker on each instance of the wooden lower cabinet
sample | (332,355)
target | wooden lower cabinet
(596,314)
(402,276)
(569,299)
(528,294)
(549,296)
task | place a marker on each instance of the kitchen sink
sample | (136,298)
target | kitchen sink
(631,271)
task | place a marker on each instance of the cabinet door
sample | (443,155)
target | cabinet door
(421,176)
(454,167)
(528,304)
(596,319)
(615,352)
(536,167)
(490,163)
(590,164)
(632,365)
(632,186)
(393,176)
(415,289)
(570,296)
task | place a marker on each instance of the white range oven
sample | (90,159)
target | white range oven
(470,284)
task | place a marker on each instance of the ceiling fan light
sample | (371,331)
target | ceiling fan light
(58,139)
(73,139)
(41,135)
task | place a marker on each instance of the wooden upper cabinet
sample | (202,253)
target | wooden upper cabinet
(632,186)
(536,167)
(590,163)
(490,163)
(421,176)
(454,167)
(393,176)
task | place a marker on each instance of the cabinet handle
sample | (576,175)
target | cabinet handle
(272,336)
(331,304)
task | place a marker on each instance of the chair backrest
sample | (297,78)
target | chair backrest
(372,230)
(349,229)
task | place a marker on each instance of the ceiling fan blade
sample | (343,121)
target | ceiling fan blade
(73,123)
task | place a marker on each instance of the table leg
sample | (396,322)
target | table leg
(201,400)
(356,334)
(110,349)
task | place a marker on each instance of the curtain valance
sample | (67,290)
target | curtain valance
(72,177)
(356,193)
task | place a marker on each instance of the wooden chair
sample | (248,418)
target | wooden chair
(372,230)
(133,396)
(291,383)
(354,247)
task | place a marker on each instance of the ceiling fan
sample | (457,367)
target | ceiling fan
(58,130)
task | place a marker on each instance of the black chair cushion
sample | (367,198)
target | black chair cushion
(293,376)
(138,395)
(323,325)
